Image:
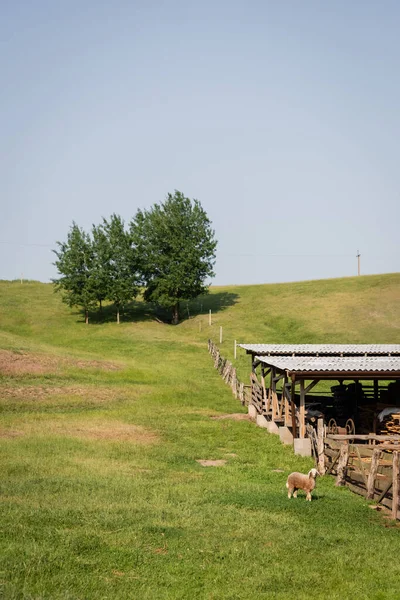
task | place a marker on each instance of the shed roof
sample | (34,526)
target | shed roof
(323,349)
(325,366)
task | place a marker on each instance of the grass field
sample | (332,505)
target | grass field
(101,494)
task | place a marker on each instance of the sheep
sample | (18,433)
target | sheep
(298,481)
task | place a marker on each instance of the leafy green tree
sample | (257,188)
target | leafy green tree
(116,262)
(101,257)
(74,263)
(176,251)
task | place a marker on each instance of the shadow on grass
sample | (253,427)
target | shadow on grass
(140,311)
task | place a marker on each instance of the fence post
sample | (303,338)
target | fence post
(234,349)
(342,464)
(209,317)
(220,335)
(372,473)
(395,485)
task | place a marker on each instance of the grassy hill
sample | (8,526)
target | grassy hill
(101,428)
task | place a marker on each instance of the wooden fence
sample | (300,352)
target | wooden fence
(228,373)
(367,469)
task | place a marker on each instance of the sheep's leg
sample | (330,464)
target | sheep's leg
(309,496)
(290,492)
(295,493)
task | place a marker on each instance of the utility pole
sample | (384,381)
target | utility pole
(358,262)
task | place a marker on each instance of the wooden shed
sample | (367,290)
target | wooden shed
(290,386)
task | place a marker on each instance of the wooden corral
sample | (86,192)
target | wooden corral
(368,465)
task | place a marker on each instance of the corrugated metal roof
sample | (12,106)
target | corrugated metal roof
(323,349)
(364,364)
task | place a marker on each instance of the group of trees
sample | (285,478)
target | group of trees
(166,252)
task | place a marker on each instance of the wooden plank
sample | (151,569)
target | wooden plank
(372,473)
(364,437)
(320,446)
(395,485)
(333,463)
(342,464)
(385,491)
(361,465)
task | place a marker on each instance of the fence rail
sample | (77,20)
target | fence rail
(228,373)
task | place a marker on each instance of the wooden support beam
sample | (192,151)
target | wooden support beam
(293,410)
(395,485)
(311,385)
(264,391)
(279,377)
(288,420)
(376,390)
(274,396)
(302,410)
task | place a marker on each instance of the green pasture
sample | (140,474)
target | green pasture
(101,430)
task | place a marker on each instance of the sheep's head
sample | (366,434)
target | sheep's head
(313,473)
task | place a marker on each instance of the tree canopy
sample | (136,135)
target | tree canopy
(75,261)
(169,250)
(176,251)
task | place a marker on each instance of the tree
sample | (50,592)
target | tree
(100,260)
(116,262)
(176,251)
(74,263)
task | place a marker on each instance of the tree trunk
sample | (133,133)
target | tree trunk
(86,316)
(118,315)
(101,306)
(175,314)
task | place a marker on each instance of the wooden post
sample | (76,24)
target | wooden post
(395,486)
(320,446)
(274,396)
(286,403)
(342,464)
(372,472)
(302,410)
(220,335)
(264,391)
(209,318)
(293,409)
(234,349)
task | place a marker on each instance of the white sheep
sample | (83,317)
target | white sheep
(298,481)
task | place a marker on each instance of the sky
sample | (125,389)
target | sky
(281,118)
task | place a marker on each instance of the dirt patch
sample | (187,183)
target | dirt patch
(114,431)
(21,363)
(37,393)
(211,463)
(10,434)
(25,363)
(232,417)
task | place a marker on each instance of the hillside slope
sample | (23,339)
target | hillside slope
(102,494)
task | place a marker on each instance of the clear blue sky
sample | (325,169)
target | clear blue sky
(282,118)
